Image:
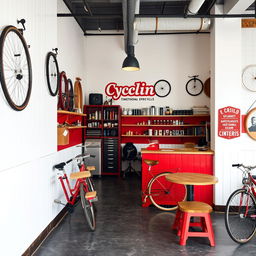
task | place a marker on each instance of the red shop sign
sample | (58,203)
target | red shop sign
(229,122)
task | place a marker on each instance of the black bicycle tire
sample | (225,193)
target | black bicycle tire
(5,32)
(154,202)
(48,56)
(71,96)
(227,223)
(88,209)
(63,104)
(194,79)
(162,96)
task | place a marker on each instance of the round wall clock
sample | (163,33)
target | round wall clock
(162,88)
(249,77)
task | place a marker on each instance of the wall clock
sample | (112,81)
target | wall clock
(249,78)
(162,88)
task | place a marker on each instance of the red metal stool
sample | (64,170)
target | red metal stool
(188,209)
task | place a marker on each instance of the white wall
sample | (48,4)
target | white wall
(169,57)
(28,184)
(231,51)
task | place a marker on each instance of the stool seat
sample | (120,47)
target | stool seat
(80,175)
(151,162)
(194,206)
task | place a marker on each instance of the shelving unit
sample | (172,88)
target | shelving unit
(168,129)
(68,133)
(103,122)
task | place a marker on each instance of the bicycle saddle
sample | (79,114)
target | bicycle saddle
(151,162)
(59,166)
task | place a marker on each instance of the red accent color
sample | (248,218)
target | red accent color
(229,122)
(182,224)
(197,163)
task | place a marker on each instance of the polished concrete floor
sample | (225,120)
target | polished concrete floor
(125,228)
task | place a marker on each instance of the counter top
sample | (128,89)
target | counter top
(178,151)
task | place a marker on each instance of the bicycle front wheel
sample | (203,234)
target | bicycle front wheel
(165,195)
(240,216)
(88,208)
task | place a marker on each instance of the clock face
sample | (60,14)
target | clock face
(249,77)
(162,88)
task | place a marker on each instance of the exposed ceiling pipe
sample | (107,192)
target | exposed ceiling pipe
(194,6)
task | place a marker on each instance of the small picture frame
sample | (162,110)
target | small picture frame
(250,123)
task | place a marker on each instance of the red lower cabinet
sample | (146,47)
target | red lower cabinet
(201,162)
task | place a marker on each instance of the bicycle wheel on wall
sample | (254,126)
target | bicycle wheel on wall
(240,216)
(78,94)
(165,195)
(15,68)
(194,87)
(63,102)
(70,95)
(52,73)
(88,208)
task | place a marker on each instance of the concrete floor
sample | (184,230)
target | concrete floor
(125,228)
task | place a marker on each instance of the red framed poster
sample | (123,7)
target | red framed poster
(229,122)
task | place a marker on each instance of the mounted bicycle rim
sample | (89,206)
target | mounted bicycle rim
(165,195)
(162,88)
(87,208)
(15,68)
(70,95)
(240,216)
(194,87)
(63,102)
(52,73)
(78,94)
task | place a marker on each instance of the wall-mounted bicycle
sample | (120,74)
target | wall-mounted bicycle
(15,67)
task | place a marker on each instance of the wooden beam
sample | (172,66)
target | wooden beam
(248,23)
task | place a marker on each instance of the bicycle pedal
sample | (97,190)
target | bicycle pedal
(95,199)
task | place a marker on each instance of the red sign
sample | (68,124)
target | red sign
(138,89)
(229,122)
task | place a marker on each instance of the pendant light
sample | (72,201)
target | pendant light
(130,62)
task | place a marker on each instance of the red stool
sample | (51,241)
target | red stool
(188,209)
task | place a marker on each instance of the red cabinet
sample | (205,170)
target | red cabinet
(201,162)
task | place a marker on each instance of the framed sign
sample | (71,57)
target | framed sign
(250,123)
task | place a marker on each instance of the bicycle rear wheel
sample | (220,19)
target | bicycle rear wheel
(63,102)
(165,195)
(240,216)
(88,208)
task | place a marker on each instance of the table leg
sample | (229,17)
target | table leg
(190,193)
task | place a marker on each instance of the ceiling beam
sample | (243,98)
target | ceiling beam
(236,6)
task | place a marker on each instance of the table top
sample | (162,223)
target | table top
(189,151)
(188,178)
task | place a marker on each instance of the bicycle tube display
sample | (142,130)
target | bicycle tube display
(63,102)
(249,78)
(52,73)
(15,68)
(70,95)
(162,88)
(78,94)
(194,87)
(165,195)
(87,208)
(240,216)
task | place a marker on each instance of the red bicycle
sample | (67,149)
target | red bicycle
(83,188)
(240,214)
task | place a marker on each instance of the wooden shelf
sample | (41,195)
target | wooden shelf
(166,115)
(162,125)
(73,127)
(70,113)
(164,136)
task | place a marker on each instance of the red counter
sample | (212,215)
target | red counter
(184,159)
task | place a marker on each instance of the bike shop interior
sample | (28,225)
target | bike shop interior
(30,139)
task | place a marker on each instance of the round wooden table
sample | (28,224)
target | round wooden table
(190,179)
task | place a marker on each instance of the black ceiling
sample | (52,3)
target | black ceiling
(107,14)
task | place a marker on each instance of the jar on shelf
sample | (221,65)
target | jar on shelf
(167,110)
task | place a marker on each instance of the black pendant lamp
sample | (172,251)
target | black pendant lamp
(130,62)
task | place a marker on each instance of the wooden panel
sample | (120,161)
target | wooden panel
(248,23)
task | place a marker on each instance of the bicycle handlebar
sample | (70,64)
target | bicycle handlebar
(248,168)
